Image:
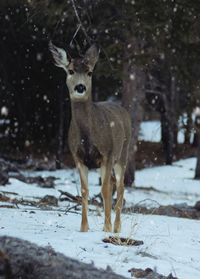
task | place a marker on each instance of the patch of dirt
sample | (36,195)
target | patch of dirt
(7,206)
(151,154)
(122,241)
(182,210)
(148,273)
(49,200)
(4,198)
(45,182)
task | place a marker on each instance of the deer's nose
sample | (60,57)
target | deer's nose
(80,88)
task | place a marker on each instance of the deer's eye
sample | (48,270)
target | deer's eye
(89,74)
(71,72)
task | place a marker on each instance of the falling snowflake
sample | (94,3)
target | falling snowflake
(4,111)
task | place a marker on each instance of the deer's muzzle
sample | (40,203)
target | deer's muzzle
(80,88)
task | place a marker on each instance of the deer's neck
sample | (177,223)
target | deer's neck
(82,113)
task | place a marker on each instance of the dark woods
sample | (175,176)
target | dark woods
(150,57)
(32,89)
(29,83)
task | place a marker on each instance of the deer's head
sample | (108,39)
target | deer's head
(79,70)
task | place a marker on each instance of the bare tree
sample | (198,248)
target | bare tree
(162,96)
(60,139)
(197,126)
(132,99)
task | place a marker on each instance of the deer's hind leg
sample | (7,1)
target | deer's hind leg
(83,172)
(106,191)
(119,174)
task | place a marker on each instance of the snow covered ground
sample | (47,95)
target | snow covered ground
(151,131)
(170,244)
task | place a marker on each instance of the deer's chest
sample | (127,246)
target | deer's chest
(88,153)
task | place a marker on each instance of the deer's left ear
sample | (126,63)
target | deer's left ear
(92,55)
(59,56)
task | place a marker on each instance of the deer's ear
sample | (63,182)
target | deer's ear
(59,56)
(92,55)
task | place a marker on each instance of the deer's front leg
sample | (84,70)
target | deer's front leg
(106,192)
(83,172)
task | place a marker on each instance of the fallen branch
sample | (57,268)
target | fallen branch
(122,241)
(66,196)
(69,197)
(7,206)
(183,211)
(148,189)
(71,208)
(46,201)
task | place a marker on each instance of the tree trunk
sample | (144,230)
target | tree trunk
(188,128)
(197,170)
(169,119)
(60,128)
(197,126)
(173,109)
(197,134)
(132,99)
(167,137)
(195,140)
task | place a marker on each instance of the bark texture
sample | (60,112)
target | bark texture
(197,126)
(60,139)
(197,171)
(132,99)
(169,127)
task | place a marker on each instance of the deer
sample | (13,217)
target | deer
(99,134)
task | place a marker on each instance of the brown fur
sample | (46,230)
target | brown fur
(99,136)
(99,130)
(80,66)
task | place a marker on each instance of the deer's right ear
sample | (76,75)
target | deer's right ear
(59,56)
(92,55)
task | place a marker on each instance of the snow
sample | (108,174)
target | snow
(151,131)
(4,121)
(175,182)
(170,244)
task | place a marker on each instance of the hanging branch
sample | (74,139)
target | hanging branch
(80,22)
(79,26)
(85,32)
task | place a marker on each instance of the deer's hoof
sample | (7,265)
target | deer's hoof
(117,228)
(84,228)
(107,228)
